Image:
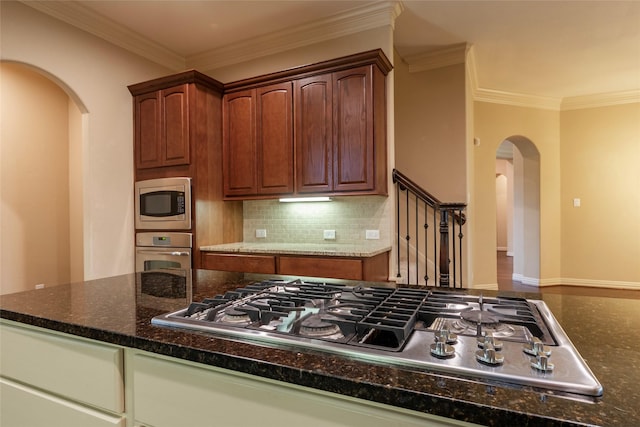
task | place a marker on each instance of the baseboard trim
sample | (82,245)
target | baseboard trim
(532,281)
(590,283)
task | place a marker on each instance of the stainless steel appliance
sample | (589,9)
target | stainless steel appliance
(163,204)
(506,339)
(157,250)
(164,263)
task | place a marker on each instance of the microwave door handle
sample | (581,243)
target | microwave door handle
(178,253)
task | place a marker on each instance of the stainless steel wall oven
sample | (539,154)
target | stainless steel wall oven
(163,261)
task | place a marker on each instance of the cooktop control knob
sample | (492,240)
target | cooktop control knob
(489,339)
(542,363)
(489,355)
(535,347)
(444,335)
(442,349)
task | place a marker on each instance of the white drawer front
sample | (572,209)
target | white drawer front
(75,369)
(22,407)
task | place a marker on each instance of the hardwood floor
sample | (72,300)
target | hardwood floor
(506,283)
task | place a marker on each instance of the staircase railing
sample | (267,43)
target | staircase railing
(424,210)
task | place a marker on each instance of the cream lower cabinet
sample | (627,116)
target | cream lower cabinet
(57,380)
(170,394)
(52,380)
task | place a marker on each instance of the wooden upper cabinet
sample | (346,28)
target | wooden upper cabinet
(274,139)
(147,131)
(239,143)
(258,141)
(353,137)
(175,125)
(314,134)
(337,144)
(162,128)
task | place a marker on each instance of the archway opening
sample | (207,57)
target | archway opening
(518,209)
(41,184)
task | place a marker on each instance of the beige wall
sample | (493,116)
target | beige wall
(431,149)
(34,185)
(430,119)
(95,74)
(493,123)
(600,158)
(591,154)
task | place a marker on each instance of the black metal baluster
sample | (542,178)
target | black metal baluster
(426,245)
(460,236)
(417,245)
(398,189)
(408,237)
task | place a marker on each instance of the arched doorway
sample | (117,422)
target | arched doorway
(518,207)
(41,185)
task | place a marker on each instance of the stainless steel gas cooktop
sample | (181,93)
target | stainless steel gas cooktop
(506,339)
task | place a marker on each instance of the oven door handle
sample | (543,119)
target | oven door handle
(177,253)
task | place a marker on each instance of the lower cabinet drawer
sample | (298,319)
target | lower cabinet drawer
(236,262)
(78,370)
(23,406)
(339,268)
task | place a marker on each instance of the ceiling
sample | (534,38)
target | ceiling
(553,49)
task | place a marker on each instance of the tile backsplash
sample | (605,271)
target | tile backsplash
(305,222)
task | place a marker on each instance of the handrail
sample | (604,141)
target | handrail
(428,198)
(424,195)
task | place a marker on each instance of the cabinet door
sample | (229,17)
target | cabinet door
(353,167)
(175,125)
(162,128)
(313,134)
(148,151)
(274,142)
(239,144)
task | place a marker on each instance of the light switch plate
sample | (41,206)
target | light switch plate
(329,234)
(261,233)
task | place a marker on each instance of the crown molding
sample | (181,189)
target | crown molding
(437,58)
(516,99)
(374,15)
(601,100)
(84,18)
(546,103)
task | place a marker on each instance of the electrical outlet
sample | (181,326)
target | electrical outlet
(261,233)
(329,234)
(372,234)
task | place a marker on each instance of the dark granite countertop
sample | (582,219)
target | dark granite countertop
(606,331)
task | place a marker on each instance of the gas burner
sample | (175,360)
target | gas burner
(232,315)
(479,317)
(316,327)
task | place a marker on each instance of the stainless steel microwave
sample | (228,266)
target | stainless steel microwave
(163,204)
